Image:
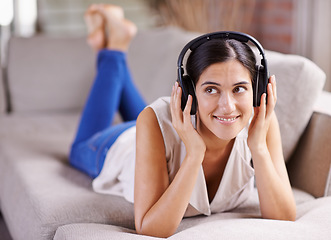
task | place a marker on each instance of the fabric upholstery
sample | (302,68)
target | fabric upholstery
(49,74)
(309,168)
(322,104)
(153,60)
(297,94)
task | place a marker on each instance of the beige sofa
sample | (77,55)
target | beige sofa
(42,197)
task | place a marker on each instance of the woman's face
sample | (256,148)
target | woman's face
(225,99)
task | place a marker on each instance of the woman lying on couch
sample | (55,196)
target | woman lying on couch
(159,158)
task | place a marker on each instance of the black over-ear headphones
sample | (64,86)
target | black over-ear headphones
(260,79)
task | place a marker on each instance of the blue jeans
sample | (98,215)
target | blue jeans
(112,90)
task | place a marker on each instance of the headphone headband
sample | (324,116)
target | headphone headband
(242,37)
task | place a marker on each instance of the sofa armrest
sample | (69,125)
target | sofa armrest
(310,165)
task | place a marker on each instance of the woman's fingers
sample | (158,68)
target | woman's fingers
(181,119)
(272,97)
(175,106)
(274,86)
(264,112)
(187,109)
(178,98)
(174,97)
(262,109)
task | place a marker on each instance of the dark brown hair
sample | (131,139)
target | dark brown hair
(217,51)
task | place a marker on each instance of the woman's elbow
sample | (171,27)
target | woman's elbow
(155,231)
(289,215)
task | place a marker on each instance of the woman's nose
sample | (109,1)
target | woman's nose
(227,103)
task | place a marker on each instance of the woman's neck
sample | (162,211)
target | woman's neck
(216,157)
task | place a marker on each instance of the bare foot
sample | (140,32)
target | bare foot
(120,30)
(95,28)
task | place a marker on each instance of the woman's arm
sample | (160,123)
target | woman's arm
(275,193)
(160,206)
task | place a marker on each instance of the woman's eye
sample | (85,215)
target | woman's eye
(211,90)
(239,89)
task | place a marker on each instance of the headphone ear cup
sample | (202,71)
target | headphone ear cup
(260,82)
(255,85)
(188,89)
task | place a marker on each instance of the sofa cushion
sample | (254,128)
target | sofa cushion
(96,231)
(299,83)
(49,74)
(153,59)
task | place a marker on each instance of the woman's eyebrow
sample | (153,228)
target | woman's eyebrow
(210,83)
(241,83)
(217,84)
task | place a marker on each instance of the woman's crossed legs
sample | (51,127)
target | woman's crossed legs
(113,89)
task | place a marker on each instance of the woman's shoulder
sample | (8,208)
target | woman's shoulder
(159,111)
(155,121)
(161,108)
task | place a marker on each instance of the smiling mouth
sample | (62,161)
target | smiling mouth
(226,119)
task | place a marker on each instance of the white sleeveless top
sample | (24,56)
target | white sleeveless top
(117,175)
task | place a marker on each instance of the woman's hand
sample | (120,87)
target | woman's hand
(258,129)
(181,121)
